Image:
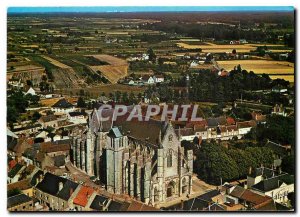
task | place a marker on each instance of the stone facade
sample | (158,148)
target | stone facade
(142,159)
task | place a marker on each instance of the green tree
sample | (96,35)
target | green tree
(152,56)
(81,103)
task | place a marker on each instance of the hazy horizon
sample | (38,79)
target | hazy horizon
(126,9)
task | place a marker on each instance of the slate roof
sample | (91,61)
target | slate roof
(74,114)
(62,103)
(147,131)
(193,204)
(115,132)
(237,191)
(17,200)
(214,122)
(48,118)
(273,183)
(50,185)
(214,207)
(98,201)
(209,195)
(263,171)
(33,181)
(14,170)
(118,206)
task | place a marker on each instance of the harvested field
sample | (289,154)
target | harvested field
(215,48)
(260,66)
(56,63)
(110,59)
(115,71)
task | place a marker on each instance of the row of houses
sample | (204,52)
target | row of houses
(215,128)
(145,80)
(265,190)
(49,192)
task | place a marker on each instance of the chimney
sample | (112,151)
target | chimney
(250,170)
(181,204)
(71,191)
(60,186)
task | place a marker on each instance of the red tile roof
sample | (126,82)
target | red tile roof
(83,196)
(12,164)
(254,198)
(230,121)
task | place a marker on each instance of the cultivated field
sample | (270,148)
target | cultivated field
(216,48)
(260,66)
(56,63)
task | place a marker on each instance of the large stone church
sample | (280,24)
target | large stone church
(143,159)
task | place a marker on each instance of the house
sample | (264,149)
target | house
(15,173)
(44,136)
(77,117)
(200,203)
(48,121)
(100,203)
(17,149)
(279,110)
(272,183)
(84,198)
(158,78)
(15,82)
(279,89)
(56,192)
(30,91)
(24,186)
(194,64)
(131,82)
(63,106)
(250,200)
(147,79)
(20,202)
(244,127)
(259,118)
(29,129)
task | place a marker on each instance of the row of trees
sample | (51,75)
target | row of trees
(215,162)
(207,86)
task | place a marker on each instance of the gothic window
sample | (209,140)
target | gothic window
(170,138)
(169,159)
(171,189)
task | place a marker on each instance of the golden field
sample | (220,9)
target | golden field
(216,48)
(260,66)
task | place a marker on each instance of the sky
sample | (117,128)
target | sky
(146,9)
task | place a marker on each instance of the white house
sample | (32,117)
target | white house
(272,183)
(63,106)
(147,79)
(158,78)
(194,64)
(30,91)
(77,117)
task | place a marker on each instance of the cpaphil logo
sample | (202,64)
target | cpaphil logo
(165,112)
